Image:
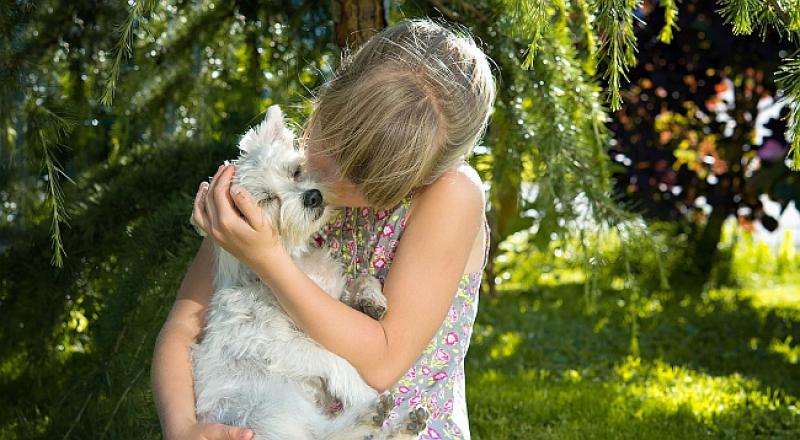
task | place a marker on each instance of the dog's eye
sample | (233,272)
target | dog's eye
(297,173)
(269,197)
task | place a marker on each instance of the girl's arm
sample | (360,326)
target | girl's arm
(171,370)
(422,281)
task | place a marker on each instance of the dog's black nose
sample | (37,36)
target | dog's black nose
(312,198)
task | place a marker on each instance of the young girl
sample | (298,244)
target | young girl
(389,135)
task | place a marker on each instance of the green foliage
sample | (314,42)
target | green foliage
(555,182)
(82,370)
(200,72)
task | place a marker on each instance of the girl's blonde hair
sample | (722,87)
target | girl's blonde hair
(410,103)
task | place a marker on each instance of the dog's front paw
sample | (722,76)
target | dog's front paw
(385,403)
(418,419)
(369,295)
(371,308)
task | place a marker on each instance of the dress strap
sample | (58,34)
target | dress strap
(486,241)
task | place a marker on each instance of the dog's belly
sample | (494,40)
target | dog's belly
(245,331)
(253,364)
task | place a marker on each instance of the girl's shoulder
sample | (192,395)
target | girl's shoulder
(460,183)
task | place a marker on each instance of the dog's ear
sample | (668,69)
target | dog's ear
(271,130)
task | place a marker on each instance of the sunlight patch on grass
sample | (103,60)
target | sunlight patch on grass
(785,349)
(775,297)
(662,387)
(506,346)
(783,299)
(638,399)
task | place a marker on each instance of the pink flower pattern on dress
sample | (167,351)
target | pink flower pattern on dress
(371,238)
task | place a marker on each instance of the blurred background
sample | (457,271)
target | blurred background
(644,279)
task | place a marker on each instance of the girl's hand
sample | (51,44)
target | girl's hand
(214,431)
(229,215)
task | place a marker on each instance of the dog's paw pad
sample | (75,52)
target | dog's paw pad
(371,308)
(418,419)
(385,403)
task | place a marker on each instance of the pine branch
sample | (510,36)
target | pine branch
(788,79)
(670,20)
(741,14)
(783,16)
(748,15)
(123,48)
(530,19)
(618,46)
(48,129)
(589,35)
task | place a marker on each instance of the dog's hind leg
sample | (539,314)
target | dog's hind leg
(304,358)
(277,409)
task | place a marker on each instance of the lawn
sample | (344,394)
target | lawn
(722,364)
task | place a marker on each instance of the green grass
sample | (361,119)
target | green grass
(721,365)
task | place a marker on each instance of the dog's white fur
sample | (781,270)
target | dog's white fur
(253,368)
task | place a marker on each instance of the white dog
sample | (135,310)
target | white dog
(253,368)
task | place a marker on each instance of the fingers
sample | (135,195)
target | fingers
(248,209)
(211,208)
(199,215)
(221,195)
(218,431)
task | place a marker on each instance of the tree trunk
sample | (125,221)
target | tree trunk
(354,21)
(706,248)
(490,272)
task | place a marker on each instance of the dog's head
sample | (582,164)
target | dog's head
(271,167)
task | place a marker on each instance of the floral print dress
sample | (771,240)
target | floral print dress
(365,240)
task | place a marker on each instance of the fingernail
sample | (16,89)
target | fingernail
(236,189)
(245,434)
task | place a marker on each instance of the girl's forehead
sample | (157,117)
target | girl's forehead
(319,163)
